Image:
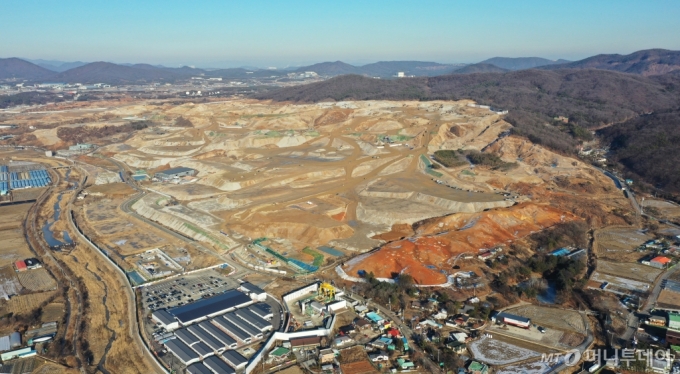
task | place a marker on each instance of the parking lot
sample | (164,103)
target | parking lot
(185,289)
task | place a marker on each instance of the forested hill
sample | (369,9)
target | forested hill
(649,147)
(590,98)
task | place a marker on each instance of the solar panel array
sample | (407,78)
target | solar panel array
(23,179)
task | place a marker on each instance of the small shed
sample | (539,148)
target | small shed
(15,340)
(20,265)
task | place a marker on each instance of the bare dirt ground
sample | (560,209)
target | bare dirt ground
(500,351)
(355,361)
(665,209)
(12,240)
(565,320)
(343,175)
(635,271)
(668,299)
(618,243)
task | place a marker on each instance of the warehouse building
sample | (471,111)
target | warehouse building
(210,307)
(203,350)
(255,292)
(206,338)
(262,310)
(254,320)
(165,319)
(235,359)
(218,334)
(186,337)
(233,330)
(182,351)
(198,368)
(176,173)
(511,319)
(32,263)
(243,325)
(218,366)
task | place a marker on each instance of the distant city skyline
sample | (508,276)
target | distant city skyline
(217,34)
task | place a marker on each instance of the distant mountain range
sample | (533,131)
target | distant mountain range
(521,63)
(479,68)
(11,68)
(383,69)
(647,63)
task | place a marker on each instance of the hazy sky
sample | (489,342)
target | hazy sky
(278,33)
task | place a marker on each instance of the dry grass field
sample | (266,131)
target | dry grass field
(668,299)
(618,243)
(635,271)
(37,280)
(107,318)
(52,368)
(565,320)
(12,240)
(53,311)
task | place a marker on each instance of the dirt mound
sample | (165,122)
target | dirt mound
(441,239)
(332,116)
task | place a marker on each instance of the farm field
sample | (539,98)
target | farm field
(668,299)
(619,243)
(12,240)
(494,351)
(355,361)
(666,210)
(624,283)
(358,367)
(53,311)
(37,280)
(635,271)
(565,320)
(9,282)
(23,304)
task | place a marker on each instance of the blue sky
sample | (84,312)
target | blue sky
(279,33)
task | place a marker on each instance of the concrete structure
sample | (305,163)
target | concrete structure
(175,173)
(81,147)
(165,319)
(255,293)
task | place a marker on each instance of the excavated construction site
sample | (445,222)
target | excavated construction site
(355,177)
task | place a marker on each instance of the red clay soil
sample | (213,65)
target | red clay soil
(339,217)
(441,239)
